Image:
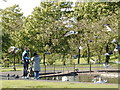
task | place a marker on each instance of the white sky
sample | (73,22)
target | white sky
(26,5)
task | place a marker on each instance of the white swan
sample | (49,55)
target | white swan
(100,80)
(64,78)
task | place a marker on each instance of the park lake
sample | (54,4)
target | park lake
(87,77)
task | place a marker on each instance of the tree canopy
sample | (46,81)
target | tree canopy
(45,28)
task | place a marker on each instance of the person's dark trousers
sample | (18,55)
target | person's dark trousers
(25,69)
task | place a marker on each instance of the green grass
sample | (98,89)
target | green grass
(51,84)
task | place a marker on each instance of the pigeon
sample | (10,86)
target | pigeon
(8,76)
(13,75)
(107,26)
(70,33)
(117,46)
(17,76)
(13,48)
(53,78)
(90,40)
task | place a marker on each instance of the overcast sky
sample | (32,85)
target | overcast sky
(26,5)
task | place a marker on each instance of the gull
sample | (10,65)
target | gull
(115,50)
(94,61)
(116,47)
(72,19)
(107,66)
(70,33)
(114,40)
(13,48)
(108,28)
(107,54)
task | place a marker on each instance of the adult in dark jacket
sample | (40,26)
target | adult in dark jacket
(36,65)
(25,61)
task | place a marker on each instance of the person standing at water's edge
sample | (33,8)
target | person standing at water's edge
(25,62)
(36,65)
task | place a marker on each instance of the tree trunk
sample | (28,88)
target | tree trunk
(64,59)
(99,58)
(71,59)
(107,56)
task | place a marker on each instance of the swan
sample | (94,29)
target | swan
(100,80)
(64,78)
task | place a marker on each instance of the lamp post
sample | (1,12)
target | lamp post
(44,59)
(79,54)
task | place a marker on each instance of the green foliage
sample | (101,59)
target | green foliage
(44,29)
(11,22)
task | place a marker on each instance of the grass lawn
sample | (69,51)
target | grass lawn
(51,84)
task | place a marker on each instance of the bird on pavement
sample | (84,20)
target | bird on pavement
(13,75)
(17,76)
(8,76)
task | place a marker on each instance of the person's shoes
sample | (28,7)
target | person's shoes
(36,78)
(27,77)
(23,77)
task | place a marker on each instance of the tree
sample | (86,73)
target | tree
(11,21)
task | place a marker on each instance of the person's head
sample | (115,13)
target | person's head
(26,49)
(35,54)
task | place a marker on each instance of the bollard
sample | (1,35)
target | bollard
(74,67)
(45,68)
(90,67)
(54,67)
